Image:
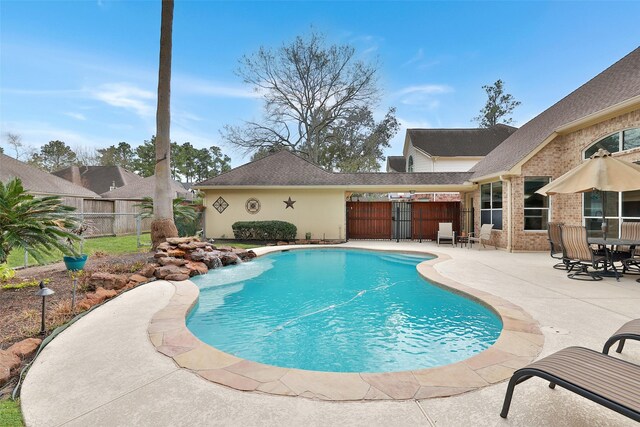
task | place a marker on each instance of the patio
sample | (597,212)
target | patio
(104,370)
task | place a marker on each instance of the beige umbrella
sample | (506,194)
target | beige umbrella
(601,172)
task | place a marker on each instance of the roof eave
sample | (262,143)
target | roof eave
(607,113)
(465,186)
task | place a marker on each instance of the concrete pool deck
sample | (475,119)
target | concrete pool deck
(104,370)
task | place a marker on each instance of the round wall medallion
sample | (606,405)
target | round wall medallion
(252,206)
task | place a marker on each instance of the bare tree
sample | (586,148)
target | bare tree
(499,105)
(308,88)
(163,225)
(86,156)
(15,141)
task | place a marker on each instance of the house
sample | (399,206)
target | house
(604,112)
(447,150)
(504,168)
(98,179)
(145,187)
(41,183)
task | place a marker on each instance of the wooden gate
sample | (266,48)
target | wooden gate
(426,217)
(377,220)
(369,220)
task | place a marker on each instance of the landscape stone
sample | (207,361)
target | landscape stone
(197,268)
(107,281)
(164,246)
(178,240)
(197,255)
(177,253)
(147,270)
(229,258)
(25,348)
(5,374)
(8,360)
(172,261)
(164,271)
(224,248)
(160,254)
(100,295)
(138,278)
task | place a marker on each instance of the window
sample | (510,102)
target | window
(619,141)
(621,207)
(536,206)
(491,204)
(410,166)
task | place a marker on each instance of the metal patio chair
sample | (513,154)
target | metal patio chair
(577,253)
(630,259)
(445,232)
(555,243)
(484,236)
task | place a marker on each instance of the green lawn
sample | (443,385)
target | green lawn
(10,415)
(111,245)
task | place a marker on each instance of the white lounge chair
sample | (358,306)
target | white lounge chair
(484,236)
(445,232)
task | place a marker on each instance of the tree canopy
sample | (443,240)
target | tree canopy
(499,106)
(310,92)
(53,156)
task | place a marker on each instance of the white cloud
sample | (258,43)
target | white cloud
(77,116)
(428,89)
(424,96)
(127,96)
(190,85)
(419,56)
(35,134)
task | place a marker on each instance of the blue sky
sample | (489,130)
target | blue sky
(85,72)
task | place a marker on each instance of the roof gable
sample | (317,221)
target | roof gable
(471,142)
(98,178)
(615,85)
(38,181)
(396,164)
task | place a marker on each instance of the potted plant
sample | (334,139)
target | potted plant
(307,235)
(77,262)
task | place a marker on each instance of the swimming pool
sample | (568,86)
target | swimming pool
(338,310)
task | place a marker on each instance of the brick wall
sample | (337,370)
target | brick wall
(558,157)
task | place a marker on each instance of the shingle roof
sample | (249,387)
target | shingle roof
(616,84)
(142,188)
(98,178)
(287,169)
(396,164)
(459,142)
(38,181)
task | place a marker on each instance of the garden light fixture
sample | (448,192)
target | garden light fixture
(43,292)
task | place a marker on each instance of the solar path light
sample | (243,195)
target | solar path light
(43,292)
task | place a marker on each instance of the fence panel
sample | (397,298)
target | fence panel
(369,220)
(427,216)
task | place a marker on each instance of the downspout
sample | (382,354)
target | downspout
(507,180)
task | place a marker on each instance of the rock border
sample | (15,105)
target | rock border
(519,343)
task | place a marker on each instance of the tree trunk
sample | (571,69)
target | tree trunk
(163,225)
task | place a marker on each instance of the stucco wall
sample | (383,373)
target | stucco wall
(320,212)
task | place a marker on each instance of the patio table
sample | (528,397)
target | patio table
(608,245)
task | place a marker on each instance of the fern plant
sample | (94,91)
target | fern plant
(36,224)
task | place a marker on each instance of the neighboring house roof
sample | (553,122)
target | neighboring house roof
(287,169)
(38,181)
(142,188)
(474,142)
(98,178)
(396,164)
(615,85)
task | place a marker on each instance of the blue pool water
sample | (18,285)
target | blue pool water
(338,310)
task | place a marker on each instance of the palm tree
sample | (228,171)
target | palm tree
(163,225)
(35,224)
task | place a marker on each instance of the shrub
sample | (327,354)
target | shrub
(264,230)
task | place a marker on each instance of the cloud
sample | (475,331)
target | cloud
(77,116)
(127,96)
(195,86)
(36,133)
(420,61)
(423,95)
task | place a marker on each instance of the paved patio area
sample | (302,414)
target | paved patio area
(104,371)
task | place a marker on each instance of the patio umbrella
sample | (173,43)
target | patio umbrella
(601,172)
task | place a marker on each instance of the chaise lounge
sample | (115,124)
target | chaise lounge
(603,379)
(630,330)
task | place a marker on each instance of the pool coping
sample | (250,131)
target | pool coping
(519,343)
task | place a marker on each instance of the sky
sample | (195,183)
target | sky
(85,72)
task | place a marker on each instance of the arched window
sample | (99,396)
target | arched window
(619,141)
(410,165)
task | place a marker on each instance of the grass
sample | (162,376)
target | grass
(110,245)
(10,414)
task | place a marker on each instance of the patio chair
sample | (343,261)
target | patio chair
(578,254)
(608,381)
(555,242)
(630,259)
(445,232)
(484,236)
(630,330)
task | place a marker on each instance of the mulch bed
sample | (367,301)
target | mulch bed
(20,308)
